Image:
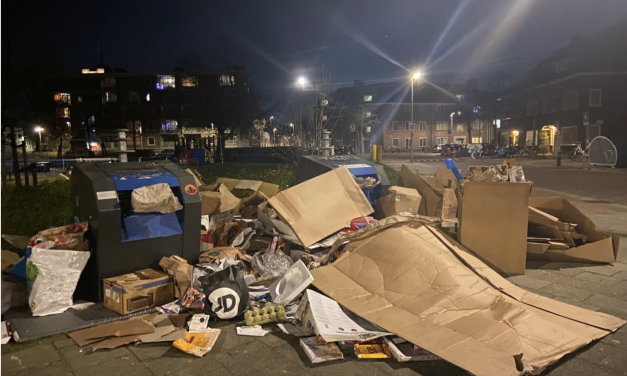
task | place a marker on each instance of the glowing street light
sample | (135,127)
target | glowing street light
(416,76)
(274,135)
(301,81)
(39,129)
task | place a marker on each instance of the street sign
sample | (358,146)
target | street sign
(449,131)
(412,126)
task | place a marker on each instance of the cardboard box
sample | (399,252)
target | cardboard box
(400,199)
(493,223)
(245,189)
(412,280)
(137,291)
(431,203)
(218,201)
(600,247)
(322,206)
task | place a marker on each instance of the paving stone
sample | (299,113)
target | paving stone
(597,278)
(528,282)
(178,363)
(606,270)
(65,342)
(578,367)
(596,352)
(434,367)
(127,366)
(559,278)
(150,350)
(618,338)
(36,356)
(229,339)
(78,358)
(253,358)
(58,368)
(609,305)
(568,292)
(563,268)
(617,291)
(616,361)
(276,338)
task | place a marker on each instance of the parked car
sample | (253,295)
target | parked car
(450,150)
(165,154)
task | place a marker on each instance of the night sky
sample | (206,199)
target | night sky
(279,40)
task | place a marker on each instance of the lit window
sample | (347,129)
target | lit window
(64,98)
(368,114)
(368,129)
(63,112)
(395,126)
(169,125)
(367,98)
(148,97)
(80,99)
(595,98)
(109,97)
(441,140)
(166,82)
(477,140)
(227,80)
(460,127)
(189,81)
(570,100)
(441,125)
(151,141)
(108,82)
(91,120)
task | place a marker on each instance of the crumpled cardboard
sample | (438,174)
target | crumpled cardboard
(155,198)
(431,203)
(414,281)
(399,199)
(599,247)
(217,201)
(181,271)
(321,206)
(493,223)
(246,189)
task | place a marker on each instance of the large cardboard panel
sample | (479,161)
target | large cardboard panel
(493,223)
(414,281)
(321,206)
(400,199)
(431,203)
(600,247)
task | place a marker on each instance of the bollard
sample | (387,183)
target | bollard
(558,160)
(379,154)
(374,153)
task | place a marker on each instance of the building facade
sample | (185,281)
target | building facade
(576,94)
(159,110)
(442,114)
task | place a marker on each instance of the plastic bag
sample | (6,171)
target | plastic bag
(226,292)
(52,275)
(156,198)
(271,263)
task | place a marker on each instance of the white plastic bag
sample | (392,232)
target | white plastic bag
(155,198)
(52,276)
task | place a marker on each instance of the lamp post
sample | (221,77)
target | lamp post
(450,132)
(39,129)
(301,82)
(274,135)
(271,118)
(414,77)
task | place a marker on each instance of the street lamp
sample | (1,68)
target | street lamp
(274,135)
(301,82)
(39,129)
(414,77)
(450,132)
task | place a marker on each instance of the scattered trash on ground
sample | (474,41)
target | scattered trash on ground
(408,273)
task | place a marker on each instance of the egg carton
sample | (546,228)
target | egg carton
(261,316)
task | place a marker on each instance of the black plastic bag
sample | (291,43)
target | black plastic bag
(226,293)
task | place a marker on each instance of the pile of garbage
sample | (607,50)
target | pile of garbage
(412,276)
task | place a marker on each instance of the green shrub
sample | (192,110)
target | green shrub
(280,174)
(28,210)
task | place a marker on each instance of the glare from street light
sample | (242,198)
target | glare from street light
(271,117)
(38,129)
(417,75)
(274,130)
(292,125)
(301,81)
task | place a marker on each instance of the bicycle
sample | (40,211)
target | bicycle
(579,154)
